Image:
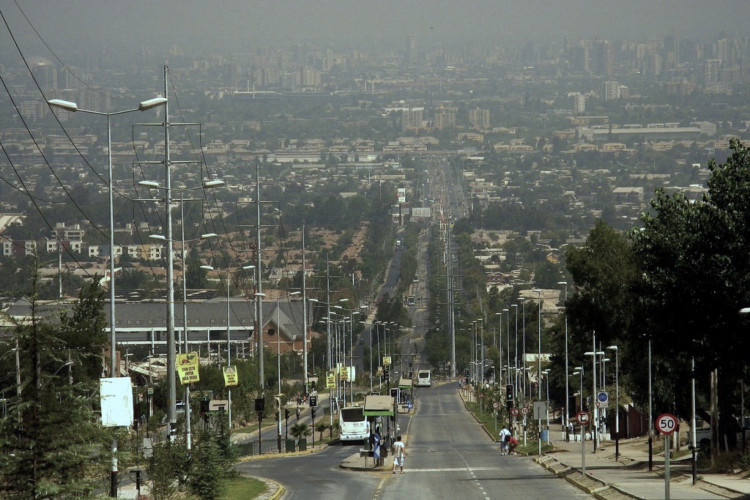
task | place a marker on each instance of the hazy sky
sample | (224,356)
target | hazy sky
(231,24)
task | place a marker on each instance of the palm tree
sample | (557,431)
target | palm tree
(300,429)
(321,427)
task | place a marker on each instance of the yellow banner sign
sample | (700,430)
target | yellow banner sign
(386,361)
(187,367)
(230,376)
(331,380)
(344,374)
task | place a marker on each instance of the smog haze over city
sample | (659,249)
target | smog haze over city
(230,26)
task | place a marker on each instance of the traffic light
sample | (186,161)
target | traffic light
(313,401)
(260,404)
(509,392)
(205,404)
(286,413)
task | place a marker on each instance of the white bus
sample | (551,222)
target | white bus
(353,424)
(423,378)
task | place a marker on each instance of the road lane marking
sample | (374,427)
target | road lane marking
(455,469)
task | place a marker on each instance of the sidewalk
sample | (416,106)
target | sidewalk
(629,477)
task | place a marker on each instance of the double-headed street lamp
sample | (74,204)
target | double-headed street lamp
(142,106)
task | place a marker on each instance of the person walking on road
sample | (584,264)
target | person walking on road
(504,437)
(399,452)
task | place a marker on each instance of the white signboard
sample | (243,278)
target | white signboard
(116,395)
(540,409)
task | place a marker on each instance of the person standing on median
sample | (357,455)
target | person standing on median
(399,452)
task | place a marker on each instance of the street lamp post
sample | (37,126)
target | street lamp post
(567,384)
(507,341)
(142,106)
(229,336)
(500,345)
(617,399)
(539,363)
(515,353)
(539,345)
(593,355)
(546,378)
(578,370)
(523,354)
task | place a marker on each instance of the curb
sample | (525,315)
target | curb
(277,492)
(252,458)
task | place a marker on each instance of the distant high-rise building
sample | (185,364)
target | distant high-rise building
(577,102)
(711,68)
(611,90)
(411,50)
(603,58)
(411,118)
(445,119)
(44,72)
(479,118)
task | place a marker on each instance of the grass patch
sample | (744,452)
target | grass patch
(243,488)
(487,419)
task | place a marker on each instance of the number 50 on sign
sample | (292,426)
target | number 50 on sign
(666,423)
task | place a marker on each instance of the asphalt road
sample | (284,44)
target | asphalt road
(449,456)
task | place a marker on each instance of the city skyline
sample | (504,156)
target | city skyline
(231,26)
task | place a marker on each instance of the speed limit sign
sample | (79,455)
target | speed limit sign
(496,405)
(666,423)
(582,417)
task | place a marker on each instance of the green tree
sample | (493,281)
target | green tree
(696,278)
(45,452)
(210,468)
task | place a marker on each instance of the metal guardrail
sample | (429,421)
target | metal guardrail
(250,448)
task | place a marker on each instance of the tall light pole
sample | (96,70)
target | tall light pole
(304,315)
(617,395)
(650,412)
(567,384)
(539,344)
(229,334)
(578,370)
(278,368)
(593,355)
(515,353)
(546,377)
(500,345)
(523,355)
(507,341)
(142,106)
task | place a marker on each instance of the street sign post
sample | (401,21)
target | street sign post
(666,423)
(602,400)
